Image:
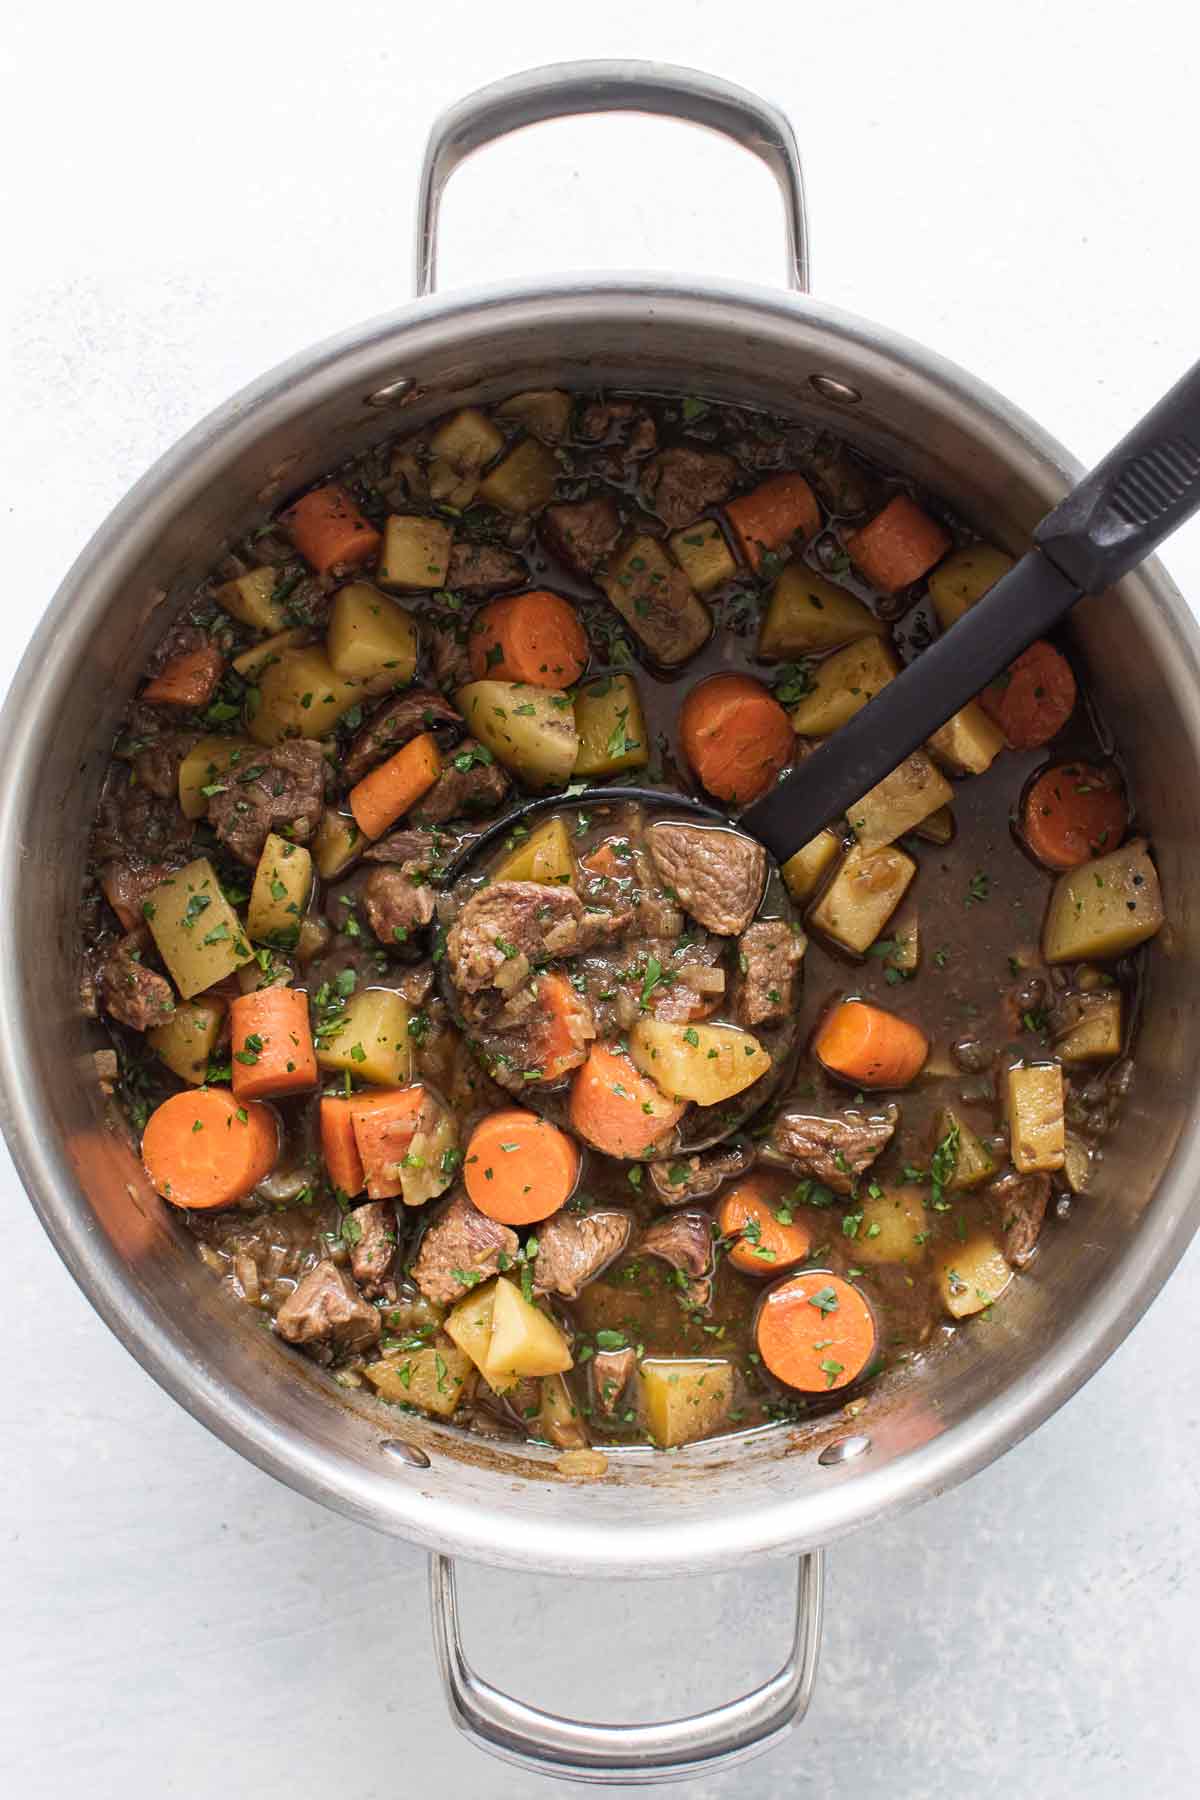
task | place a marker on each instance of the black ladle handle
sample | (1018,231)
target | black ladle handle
(1117,516)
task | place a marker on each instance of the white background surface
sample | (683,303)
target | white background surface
(192,195)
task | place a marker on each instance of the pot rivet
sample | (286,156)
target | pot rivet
(830,388)
(405,1453)
(843,1451)
(394,390)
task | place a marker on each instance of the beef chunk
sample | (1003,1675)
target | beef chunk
(136,825)
(398,721)
(837,1150)
(581,533)
(684,1239)
(1018,1204)
(716,875)
(429,851)
(679,484)
(397,902)
(469,783)
(623,420)
(372,1252)
(769,953)
(612,1371)
(483,569)
(157,766)
(125,886)
(697,982)
(327,1308)
(573,1248)
(282,790)
(462,1241)
(509,926)
(416,983)
(449,656)
(698,1177)
(130,992)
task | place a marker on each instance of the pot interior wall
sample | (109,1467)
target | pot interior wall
(714,1503)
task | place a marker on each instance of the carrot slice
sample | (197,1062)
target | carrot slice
(189,679)
(343,1164)
(536,638)
(329,531)
(869,1046)
(815,1332)
(771,513)
(205,1149)
(519,1168)
(736,736)
(379,799)
(384,1123)
(557,1040)
(898,545)
(1073,812)
(272,1044)
(1034,698)
(618,1109)
(763,1242)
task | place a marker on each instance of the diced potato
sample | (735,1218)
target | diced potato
(531,730)
(655,598)
(337,843)
(415,555)
(250,599)
(971,1275)
(905,933)
(938,828)
(862,897)
(1096,1035)
(429,1164)
(282,885)
(523,481)
(267,970)
(198,934)
(899,802)
(611,727)
(467,440)
(703,555)
(973,1161)
(301,695)
(546,412)
(524,1339)
(1036,1123)
(807,613)
(371,1039)
(448,487)
(251,663)
(206,766)
(684,1398)
(469,1324)
(432,1379)
(1104,907)
(188,1038)
(545,855)
(371,639)
(894,1228)
(559,1419)
(968,743)
(963,578)
(704,1063)
(1077,1164)
(843,684)
(804,872)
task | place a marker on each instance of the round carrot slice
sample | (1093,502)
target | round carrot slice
(1033,699)
(535,637)
(869,1046)
(736,736)
(765,1237)
(815,1332)
(205,1149)
(519,1168)
(1072,812)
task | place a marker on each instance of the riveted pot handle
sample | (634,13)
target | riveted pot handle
(548,1744)
(562,90)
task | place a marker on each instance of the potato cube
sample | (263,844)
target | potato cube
(968,743)
(804,872)
(1036,1122)
(416,553)
(546,412)
(899,802)
(1077,1164)
(544,855)
(205,767)
(531,730)
(963,578)
(611,727)
(862,897)
(1096,1034)
(469,1324)
(681,1399)
(807,613)
(973,1161)
(938,828)
(198,934)
(432,1379)
(369,1039)
(338,842)
(467,440)
(843,684)
(300,694)
(559,1419)
(1104,907)
(704,1063)
(188,1038)
(905,933)
(282,885)
(655,598)
(521,482)
(971,1275)
(894,1227)
(251,663)
(429,1163)
(703,555)
(524,1339)
(371,639)
(250,598)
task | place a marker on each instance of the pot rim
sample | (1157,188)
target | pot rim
(501,1533)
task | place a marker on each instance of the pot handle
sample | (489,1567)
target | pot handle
(562,90)
(671,1750)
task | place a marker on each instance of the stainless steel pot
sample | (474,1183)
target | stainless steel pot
(714,1505)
